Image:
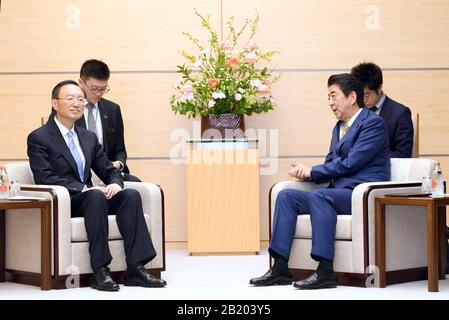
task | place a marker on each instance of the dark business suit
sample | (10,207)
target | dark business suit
(52,163)
(398,119)
(113,134)
(361,156)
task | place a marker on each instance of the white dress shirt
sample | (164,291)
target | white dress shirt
(64,132)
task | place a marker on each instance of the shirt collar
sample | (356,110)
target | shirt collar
(351,121)
(380,102)
(63,129)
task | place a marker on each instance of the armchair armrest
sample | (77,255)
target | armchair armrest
(153,205)
(60,221)
(363,208)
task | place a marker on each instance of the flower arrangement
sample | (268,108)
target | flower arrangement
(224,79)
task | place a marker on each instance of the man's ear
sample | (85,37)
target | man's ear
(380,89)
(54,104)
(353,97)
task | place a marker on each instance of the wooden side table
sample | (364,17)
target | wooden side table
(45,206)
(223,197)
(436,221)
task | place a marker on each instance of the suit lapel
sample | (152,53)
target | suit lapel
(354,128)
(81,122)
(58,140)
(386,110)
(335,138)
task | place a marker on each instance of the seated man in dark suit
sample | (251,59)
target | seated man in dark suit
(358,153)
(103,116)
(397,116)
(63,154)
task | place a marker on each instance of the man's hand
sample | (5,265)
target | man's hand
(111,190)
(299,171)
(117,164)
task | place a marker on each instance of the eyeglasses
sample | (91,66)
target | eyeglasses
(97,90)
(73,100)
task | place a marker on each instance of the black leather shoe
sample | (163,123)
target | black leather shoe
(316,282)
(101,280)
(139,277)
(271,279)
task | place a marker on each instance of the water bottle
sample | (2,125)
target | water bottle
(437,181)
(14,189)
(4,184)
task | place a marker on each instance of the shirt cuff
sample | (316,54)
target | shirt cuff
(122,166)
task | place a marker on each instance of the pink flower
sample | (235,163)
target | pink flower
(226,45)
(250,46)
(234,63)
(251,58)
(265,88)
(187,88)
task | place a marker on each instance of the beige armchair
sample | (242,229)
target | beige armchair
(70,254)
(354,243)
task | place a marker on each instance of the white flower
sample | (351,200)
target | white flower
(255,83)
(197,63)
(211,103)
(218,95)
(238,97)
(241,90)
(203,53)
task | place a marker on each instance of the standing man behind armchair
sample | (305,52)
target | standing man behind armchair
(63,154)
(358,153)
(108,122)
(102,116)
(398,117)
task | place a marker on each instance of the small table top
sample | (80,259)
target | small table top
(406,200)
(21,204)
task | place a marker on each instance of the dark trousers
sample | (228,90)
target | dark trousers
(323,205)
(127,206)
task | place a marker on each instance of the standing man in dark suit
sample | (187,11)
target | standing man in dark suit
(63,154)
(358,153)
(398,117)
(102,116)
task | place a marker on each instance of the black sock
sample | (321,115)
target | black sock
(133,267)
(280,264)
(325,267)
